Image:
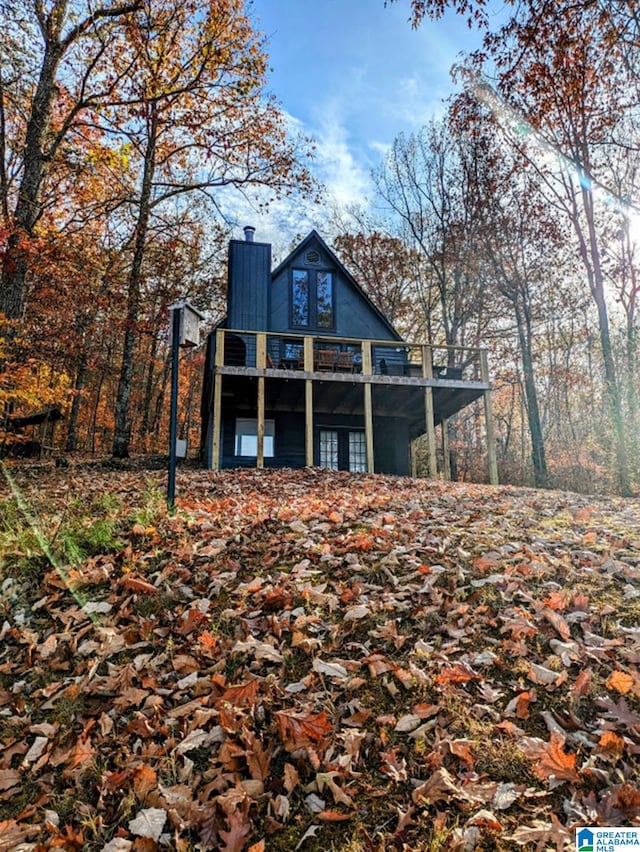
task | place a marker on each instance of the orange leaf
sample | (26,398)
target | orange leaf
(553,762)
(137,584)
(298,730)
(241,694)
(620,681)
(144,780)
(333,816)
(458,673)
(611,742)
(208,641)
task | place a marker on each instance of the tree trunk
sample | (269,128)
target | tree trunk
(122,431)
(612,389)
(81,378)
(145,426)
(538,457)
(15,262)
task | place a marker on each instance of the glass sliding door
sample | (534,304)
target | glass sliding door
(357,452)
(329,449)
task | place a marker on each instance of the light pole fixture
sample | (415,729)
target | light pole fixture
(185,333)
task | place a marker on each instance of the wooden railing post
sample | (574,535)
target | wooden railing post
(261,350)
(308,354)
(367,365)
(492,461)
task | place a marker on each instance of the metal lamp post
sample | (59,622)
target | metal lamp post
(185,333)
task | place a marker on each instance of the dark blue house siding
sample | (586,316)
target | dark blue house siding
(390,447)
(249,277)
(354,316)
(289,440)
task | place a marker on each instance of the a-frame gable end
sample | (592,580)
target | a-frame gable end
(355,315)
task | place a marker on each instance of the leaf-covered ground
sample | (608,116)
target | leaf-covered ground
(312,660)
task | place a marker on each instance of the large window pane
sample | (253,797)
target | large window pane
(324,299)
(300,298)
(247,437)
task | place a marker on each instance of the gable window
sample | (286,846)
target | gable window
(300,298)
(312,303)
(246,443)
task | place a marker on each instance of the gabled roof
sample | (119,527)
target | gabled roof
(315,236)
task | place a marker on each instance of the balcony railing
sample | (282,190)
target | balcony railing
(339,357)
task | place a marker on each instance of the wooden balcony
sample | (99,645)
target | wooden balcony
(430,383)
(251,353)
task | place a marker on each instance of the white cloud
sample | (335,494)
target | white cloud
(346,180)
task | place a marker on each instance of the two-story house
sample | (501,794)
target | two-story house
(305,370)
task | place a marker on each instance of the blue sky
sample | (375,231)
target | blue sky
(352,74)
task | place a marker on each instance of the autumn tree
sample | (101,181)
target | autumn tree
(427,183)
(569,71)
(56,65)
(194,113)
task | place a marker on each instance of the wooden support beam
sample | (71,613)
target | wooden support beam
(492,461)
(308,417)
(368,427)
(431,433)
(216,432)
(216,439)
(446,449)
(260,429)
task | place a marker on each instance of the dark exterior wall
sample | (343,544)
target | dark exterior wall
(391,445)
(249,280)
(391,439)
(354,316)
(289,440)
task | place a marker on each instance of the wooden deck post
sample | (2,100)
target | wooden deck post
(445,448)
(368,427)
(308,403)
(488,421)
(217,402)
(261,363)
(427,372)
(308,425)
(367,370)
(260,424)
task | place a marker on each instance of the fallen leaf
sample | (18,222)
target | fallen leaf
(620,682)
(148,822)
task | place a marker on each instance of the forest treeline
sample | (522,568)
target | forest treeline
(508,222)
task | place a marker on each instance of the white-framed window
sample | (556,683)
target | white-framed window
(246,443)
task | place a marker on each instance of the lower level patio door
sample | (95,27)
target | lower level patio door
(343,449)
